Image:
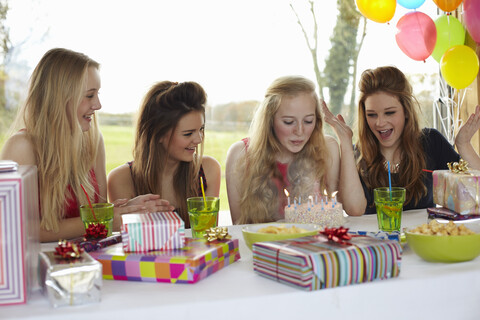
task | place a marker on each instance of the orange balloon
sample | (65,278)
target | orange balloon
(448,5)
(377,10)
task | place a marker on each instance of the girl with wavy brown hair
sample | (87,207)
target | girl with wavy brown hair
(168,155)
(286,150)
(389,131)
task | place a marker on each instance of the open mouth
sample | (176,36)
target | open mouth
(385,134)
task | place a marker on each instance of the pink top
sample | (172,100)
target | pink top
(72,207)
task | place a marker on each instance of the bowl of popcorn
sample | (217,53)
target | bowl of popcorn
(277,231)
(444,242)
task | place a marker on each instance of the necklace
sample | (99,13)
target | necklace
(393,167)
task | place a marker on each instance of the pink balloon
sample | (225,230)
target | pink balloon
(471,14)
(416,35)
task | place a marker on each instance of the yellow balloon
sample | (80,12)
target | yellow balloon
(377,10)
(459,66)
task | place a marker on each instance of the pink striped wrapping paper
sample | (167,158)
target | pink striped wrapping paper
(152,231)
(19,228)
(313,263)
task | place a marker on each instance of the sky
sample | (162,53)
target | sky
(234,49)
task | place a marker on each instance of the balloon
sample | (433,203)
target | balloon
(377,10)
(416,35)
(447,5)
(471,15)
(410,4)
(459,66)
(450,32)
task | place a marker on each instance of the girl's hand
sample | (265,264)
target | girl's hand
(343,131)
(470,127)
(152,202)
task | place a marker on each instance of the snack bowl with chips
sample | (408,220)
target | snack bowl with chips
(444,242)
(277,231)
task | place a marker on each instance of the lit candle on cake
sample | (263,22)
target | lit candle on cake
(288,196)
(334,199)
(326,196)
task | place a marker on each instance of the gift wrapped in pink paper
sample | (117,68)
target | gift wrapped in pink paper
(152,231)
(19,232)
(459,192)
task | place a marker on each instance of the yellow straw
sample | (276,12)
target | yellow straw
(203,193)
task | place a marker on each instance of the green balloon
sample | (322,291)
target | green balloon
(450,32)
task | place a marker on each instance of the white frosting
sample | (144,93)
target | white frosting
(325,215)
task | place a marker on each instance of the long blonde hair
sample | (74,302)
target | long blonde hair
(63,152)
(260,197)
(392,81)
(162,108)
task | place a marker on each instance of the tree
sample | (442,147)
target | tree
(341,65)
(4,48)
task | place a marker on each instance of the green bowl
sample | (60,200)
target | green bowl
(251,234)
(444,248)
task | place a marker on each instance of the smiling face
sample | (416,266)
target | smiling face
(90,102)
(294,123)
(185,138)
(386,119)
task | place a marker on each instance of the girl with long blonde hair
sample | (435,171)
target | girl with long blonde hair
(57,130)
(286,150)
(168,155)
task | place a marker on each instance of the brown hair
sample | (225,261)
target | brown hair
(392,81)
(163,107)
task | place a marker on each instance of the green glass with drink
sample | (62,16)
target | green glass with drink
(203,214)
(102,214)
(389,206)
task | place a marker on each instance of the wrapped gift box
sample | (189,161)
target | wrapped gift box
(314,262)
(195,261)
(459,192)
(90,245)
(70,281)
(152,231)
(19,233)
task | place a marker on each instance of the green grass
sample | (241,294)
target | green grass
(119,143)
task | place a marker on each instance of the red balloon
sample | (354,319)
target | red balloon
(471,14)
(416,35)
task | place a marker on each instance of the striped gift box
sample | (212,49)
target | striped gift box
(195,261)
(313,263)
(19,228)
(152,231)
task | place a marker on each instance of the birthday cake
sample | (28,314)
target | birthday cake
(326,214)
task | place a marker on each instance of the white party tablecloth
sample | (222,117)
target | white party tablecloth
(422,291)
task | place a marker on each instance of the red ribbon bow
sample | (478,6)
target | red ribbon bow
(96,231)
(68,250)
(338,235)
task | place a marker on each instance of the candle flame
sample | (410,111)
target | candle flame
(325,192)
(286,192)
(310,198)
(334,193)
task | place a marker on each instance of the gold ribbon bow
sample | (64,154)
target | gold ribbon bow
(217,233)
(458,167)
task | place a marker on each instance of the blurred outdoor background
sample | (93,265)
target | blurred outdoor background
(234,49)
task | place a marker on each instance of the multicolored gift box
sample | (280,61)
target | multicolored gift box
(152,231)
(459,192)
(195,261)
(312,263)
(70,281)
(19,234)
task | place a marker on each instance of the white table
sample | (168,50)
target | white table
(422,291)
